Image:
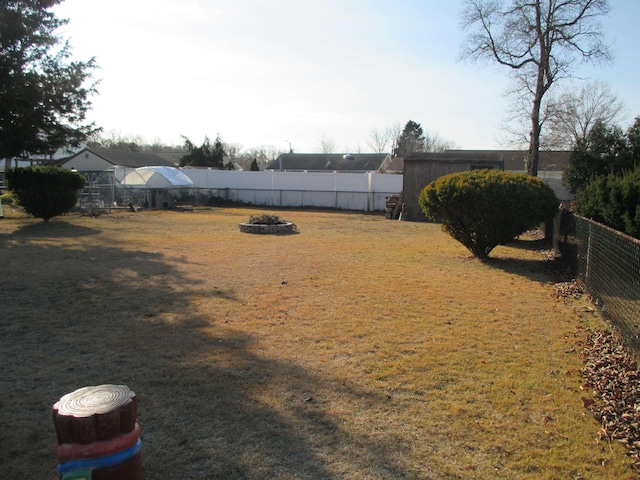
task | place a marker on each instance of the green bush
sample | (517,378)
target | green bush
(43,191)
(613,200)
(486,208)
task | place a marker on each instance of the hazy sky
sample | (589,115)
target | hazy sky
(269,72)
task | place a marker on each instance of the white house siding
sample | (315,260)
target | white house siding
(87,162)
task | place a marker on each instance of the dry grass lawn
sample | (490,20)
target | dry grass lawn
(360,348)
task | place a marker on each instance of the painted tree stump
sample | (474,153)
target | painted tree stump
(98,436)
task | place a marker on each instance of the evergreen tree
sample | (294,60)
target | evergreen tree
(206,155)
(606,150)
(45,191)
(44,94)
(605,175)
(410,140)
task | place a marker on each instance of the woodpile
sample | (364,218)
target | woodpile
(613,375)
(393,206)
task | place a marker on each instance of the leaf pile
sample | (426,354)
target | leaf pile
(614,376)
(568,289)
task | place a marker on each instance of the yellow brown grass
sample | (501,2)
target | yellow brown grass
(359,348)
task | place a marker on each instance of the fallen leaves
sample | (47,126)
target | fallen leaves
(568,289)
(614,376)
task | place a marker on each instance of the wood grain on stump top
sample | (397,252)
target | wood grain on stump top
(95,413)
(88,401)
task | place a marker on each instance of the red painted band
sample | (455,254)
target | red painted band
(77,451)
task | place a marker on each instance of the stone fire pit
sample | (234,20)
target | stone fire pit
(267,224)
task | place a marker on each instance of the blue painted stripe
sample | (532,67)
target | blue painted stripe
(100,462)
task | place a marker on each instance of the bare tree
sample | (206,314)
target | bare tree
(263,155)
(541,41)
(353,148)
(435,143)
(378,140)
(393,133)
(327,145)
(117,141)
(575,113)
(565,119)
(155,146)
(232,153)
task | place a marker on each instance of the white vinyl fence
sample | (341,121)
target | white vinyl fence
(347,191)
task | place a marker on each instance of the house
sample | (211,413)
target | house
(96,159)
(105,170)
(330,162)
(394,165)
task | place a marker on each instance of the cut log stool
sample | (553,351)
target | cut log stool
(98,435)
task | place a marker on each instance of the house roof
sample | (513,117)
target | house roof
(364,162)
(125,158)
(396,164)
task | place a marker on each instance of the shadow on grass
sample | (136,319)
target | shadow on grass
(531,245)
(538,270)
(55,228)
(206,399)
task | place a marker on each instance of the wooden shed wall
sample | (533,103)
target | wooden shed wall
(419,173)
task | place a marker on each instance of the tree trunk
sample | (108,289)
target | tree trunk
(534,145)
(543,64)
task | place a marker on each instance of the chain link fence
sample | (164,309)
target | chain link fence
(607,262)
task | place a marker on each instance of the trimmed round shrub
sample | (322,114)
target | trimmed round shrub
(486,208)
(44,191)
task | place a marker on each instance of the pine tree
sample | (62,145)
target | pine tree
(411,140)
(45,96)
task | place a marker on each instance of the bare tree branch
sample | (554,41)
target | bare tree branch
(540,41)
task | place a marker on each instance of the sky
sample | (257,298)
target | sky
(295,73)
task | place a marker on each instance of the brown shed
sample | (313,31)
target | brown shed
(420,169)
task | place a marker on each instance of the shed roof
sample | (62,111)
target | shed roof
(365,162)
(456,156)
(549,160)
(554,160)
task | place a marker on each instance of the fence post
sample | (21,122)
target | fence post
(587,265)
(369,191)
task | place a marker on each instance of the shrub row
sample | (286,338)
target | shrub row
(613,200)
